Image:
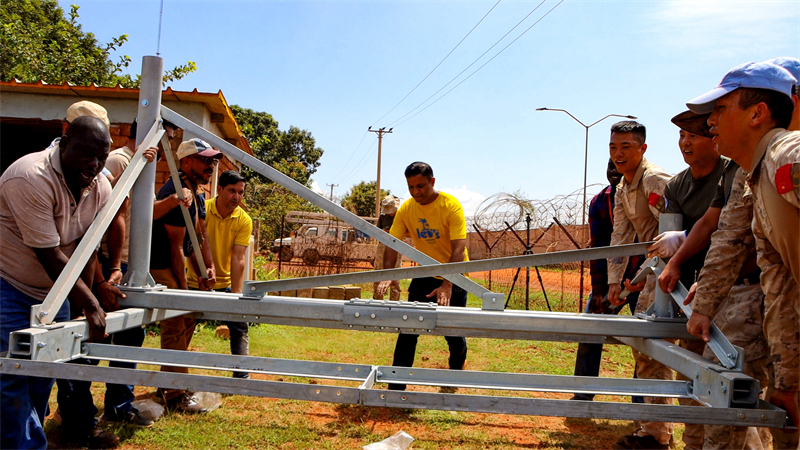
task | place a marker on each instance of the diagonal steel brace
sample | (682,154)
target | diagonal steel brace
(729,355)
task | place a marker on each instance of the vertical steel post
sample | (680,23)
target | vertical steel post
(142,194)
(663,304)
(378,180)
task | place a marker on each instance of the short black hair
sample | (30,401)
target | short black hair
(164,123)
(230,177)
(780,105)
(419,168)
(631,126)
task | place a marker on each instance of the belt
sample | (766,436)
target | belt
(750,279)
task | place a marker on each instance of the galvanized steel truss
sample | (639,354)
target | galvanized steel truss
(730,396)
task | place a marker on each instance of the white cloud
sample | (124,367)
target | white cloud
(724,28)
(316,189)
(470,200)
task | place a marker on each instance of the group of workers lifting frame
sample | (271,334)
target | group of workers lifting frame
(739,252)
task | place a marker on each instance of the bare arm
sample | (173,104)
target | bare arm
(115,242)
(389,260)
(176,235)
(54,260)
(165,205)
(205,249)
(237,268)
(445,291)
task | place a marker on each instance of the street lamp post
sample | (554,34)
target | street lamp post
(585,169)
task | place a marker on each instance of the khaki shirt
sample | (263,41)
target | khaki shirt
(774,182)
(636,212)
(117,162)
(37,210)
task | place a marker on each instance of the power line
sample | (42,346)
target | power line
(361,163)
(484,64)
(351,155)
(471,64)
(440,63)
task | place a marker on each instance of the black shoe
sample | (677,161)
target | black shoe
(582,397)
(634,441)
(187,403)
(130,416)
(97,438)
(397,387)
(447,390)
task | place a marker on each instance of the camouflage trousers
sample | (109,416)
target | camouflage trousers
(740,320)
(649,368)
(394,293)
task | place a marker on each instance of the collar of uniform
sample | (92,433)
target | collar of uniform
(761,150)
(639,172)
(55,162)
(213,209)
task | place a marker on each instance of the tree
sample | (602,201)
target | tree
(273,146)
(39,43)
(360,199)
(293,152)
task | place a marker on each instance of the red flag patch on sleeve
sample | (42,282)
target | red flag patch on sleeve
(653,199)
(787,177)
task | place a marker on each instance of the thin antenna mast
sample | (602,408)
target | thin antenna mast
(160,18)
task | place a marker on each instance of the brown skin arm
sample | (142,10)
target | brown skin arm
(698,239)
(389,260)
(699,324)
(237,268)
(176,257)
(205,249)
(165,205)
(445,291)
(115,242)
(54,260)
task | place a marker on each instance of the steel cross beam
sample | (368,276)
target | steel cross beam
(318,200)
(260,288)
(91,240)
(762,415)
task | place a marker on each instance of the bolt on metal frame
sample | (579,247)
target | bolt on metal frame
(730,397)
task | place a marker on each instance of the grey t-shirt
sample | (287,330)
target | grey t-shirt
(692,198)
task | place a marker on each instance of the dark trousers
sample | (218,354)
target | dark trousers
(406,346)
(587,360)
(240,340)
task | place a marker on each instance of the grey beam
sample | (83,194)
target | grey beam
(260,288)
(91,240)
(318,200)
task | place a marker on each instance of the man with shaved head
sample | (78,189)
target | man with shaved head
(48,200)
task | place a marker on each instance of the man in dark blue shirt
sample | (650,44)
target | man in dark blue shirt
(601,225)
(171,245)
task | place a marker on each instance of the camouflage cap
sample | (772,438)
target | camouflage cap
(693,123)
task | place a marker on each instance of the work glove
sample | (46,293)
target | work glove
(667,243)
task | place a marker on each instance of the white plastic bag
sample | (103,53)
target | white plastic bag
(398,441)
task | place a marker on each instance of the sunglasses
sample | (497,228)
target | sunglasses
(206,160)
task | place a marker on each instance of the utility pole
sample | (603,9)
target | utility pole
(332,186)
(380,132)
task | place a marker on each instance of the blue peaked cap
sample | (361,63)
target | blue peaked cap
(763,75)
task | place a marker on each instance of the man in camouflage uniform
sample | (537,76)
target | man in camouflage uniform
(749,109)
(636,216)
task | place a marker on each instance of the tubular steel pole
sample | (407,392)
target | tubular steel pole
(378,182)
(583,216)
(142,193)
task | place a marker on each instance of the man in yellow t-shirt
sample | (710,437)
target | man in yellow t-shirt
(229,229)
(435,222)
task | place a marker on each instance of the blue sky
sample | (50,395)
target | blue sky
(334,68)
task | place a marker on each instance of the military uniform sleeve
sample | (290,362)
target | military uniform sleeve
(783,167)
(781,321)
(623,233)
(655,182)
(730,247)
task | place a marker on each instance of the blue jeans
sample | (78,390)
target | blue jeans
(587,360)
(23,400)
(406,346)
